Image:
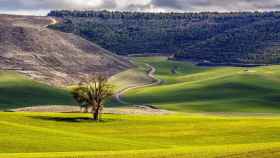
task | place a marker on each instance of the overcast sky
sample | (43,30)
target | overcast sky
(41,7)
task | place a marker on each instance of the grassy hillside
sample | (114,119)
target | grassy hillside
(176,136)
(129,78)
(18,91)
(135,76)
(216,89)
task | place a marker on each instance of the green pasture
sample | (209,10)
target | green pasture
(188,88)
(18,91)
(54,135)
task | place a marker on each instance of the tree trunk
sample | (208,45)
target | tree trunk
(96,114)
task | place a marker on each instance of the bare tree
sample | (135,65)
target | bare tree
(92,94)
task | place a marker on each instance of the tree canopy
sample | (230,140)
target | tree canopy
(245,37)
(91,94)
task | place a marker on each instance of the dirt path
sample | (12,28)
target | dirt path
(151,74)
(53,21)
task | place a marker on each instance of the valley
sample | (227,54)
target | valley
(57,72)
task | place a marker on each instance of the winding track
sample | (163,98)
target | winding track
(53,21)
(151,74)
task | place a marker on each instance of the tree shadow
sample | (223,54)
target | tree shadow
(70,119)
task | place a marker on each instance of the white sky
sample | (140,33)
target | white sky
(41,7)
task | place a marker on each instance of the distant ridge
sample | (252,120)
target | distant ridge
(217,38)
(29,47)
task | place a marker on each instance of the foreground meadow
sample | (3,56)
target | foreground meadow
(57,135)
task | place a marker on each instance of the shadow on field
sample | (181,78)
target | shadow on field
(69,119)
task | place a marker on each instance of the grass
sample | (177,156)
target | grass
(215,89)
(18,91)
(186,88)
(131,77)
(37,135)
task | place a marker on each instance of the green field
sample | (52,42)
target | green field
(216,89)
(135,76)
(53,135)
(199,130)
(18,91)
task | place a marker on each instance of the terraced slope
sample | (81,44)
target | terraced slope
(29,47)
(217,89)
(176,136)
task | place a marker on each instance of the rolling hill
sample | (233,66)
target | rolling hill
(17,90)
(216,38)
(29,47)
(210,89)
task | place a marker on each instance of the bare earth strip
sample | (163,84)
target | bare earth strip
(75,109)
(53,21)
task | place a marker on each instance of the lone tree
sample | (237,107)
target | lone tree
(92,93)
